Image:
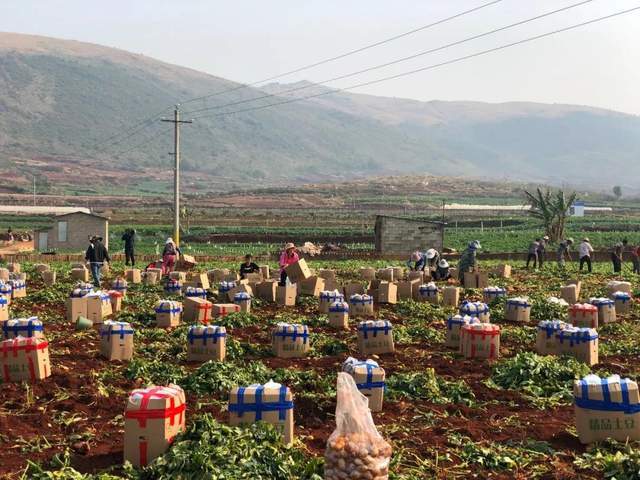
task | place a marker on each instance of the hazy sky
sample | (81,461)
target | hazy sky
(253,39)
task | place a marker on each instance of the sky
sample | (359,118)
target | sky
(250,40)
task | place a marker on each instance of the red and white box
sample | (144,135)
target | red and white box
(223,309)
(480,340)
(152,418)
(24,359)
(583,315)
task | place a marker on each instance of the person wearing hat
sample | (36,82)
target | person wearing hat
(442,271)
(417,261)
(585,250)
(289,256)
(563,251)
(468,259)
(96,255)
(533,253)
(542,248)
(616,255)
(169,256)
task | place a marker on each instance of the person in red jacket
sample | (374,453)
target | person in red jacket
(288,257)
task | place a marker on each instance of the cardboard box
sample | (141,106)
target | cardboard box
(231,277)
(503,271)
(217,275)
(581,343)
(199,280)
(327,298)
(429,293)
(98,307)
(265,272)
(603,411)
(569,293)
(206,342)
(157,271)
(368,273)
(178,275)
(267,290)
(18,288)
(408,289)
(480,340)
(517,310)
(290,340)
(116,340)
(224,288)
(450,296)
(116,300)
(22,327)
(150,278)
(476,309)
(546,340)
(133,275)
(48,277)
(197,310)
(41,267)
(385,274)
(286,296)
(18,276)
(4,308)
(81,274)
(119,285)
(416,275)
(223,309)
(76,307)
(195,292)
(253,278)
(298,271)
(153,417)
(375,337)
(311,286)
(583,315)
(271,403)
(4,274)
(168,313)
(243,300)
(606,310)
(327,274)
(388,293)
(398,273)
(6,291)
(186,262)
(476,280)
(24,359)
(339,315)
(173,287)
(13,267)
(454,324)
(361,305)
(353,289)
(622,302)
(369,377)
(490,294)
(331,285)
(242,288)
(616,286)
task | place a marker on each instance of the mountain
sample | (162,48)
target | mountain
(59,98)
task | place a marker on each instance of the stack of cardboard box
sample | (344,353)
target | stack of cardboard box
(476,279)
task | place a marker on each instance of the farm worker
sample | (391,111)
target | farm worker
(533,253)
(417,261)
(584,252)
(169,256)
(563,251)
(616,255)
(433,257)
(635,259)
(442,271)
(468,259)
(542,247)
(96,255)
(129,239)
(289,256)
(248,266)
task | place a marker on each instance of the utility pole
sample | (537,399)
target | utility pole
(34,190)
(176,170)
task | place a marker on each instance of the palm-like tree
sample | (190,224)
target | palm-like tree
(552,209)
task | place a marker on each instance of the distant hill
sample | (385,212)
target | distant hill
(58,97)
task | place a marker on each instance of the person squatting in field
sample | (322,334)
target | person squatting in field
(96,255)
(289,256)
(442,271)
(585,250)
(248,266)
(563,252)
(468,259)
(169,256)
(532,255)
(420,261)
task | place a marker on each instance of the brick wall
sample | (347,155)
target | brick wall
(403,236)
(79,227)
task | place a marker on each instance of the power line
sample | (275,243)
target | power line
(142,144)
(394,62)
(433,66)
(346,54)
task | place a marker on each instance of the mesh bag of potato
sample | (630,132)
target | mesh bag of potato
(355,449)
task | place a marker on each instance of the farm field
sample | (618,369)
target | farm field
(446,417)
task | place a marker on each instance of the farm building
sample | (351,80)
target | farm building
(405,235)
(71,231)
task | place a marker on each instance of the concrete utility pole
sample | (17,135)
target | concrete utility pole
(176,171)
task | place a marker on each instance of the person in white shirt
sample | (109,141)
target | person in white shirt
(585,250)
